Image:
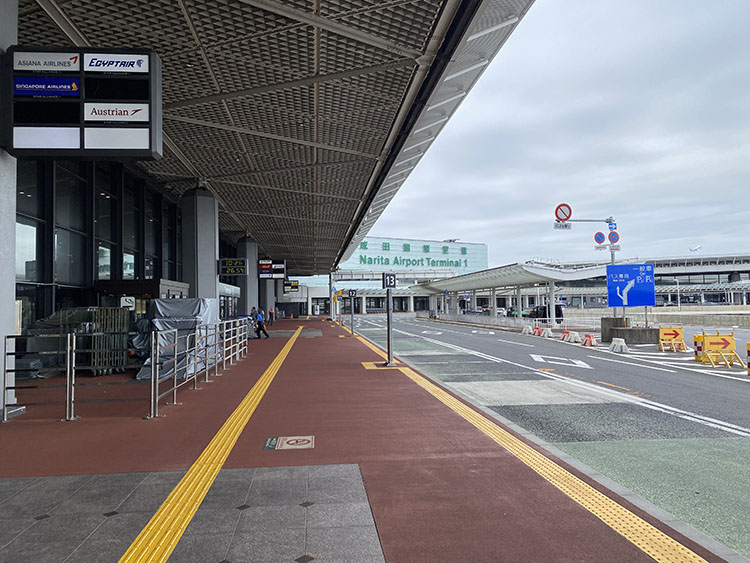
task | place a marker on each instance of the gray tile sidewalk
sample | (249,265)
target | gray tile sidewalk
(294,514)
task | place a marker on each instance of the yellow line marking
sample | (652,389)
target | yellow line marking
(373,365)
(158,539)
(643,535)
(546,369)
(615,386)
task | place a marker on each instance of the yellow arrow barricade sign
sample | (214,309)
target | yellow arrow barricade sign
(672,338)
(720,349)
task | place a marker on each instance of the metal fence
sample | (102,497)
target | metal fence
(573,323)
(176,360)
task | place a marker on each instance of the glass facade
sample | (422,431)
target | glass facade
(79,222)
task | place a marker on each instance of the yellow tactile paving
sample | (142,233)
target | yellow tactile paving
(158,539)
(643,535)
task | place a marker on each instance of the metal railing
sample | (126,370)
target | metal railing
(177,359)
(193,354)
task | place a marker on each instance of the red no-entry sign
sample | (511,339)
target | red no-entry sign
(563,212)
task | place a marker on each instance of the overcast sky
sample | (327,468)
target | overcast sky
(637,109)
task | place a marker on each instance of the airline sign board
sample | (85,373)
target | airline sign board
(81,103)
(272,269)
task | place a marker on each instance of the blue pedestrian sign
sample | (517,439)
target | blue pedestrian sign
(631,285)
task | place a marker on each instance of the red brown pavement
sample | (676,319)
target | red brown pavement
(440,489)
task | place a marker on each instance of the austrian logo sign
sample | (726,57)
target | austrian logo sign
(46,86)
(115,112)
(99,62)
(46,62)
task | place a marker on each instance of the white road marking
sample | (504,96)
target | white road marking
(516,343)
(631,364)
(646,403)
(435,332)
(570,362)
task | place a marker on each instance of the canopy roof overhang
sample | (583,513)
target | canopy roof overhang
(303,117)
(513,276)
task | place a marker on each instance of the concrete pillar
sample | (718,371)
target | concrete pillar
(525,299)
(200,243)
(411,303)
(248,249)
(363,305)
(444,300)
(519,306)
(493,302)
(267,294)
(8,36)
(473,301)
(309,302)
(551,301)
(456,305)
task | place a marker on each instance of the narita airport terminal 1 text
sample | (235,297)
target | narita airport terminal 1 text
(409,262)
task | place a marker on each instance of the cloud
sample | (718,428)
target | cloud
(632,109)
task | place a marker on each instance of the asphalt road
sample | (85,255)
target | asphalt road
(675,432)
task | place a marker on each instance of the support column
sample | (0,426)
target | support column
(309,302)
(551,301)
(411,304)
(444,300)
(363,305)
(456,305)
(248,249)
(519,306)
(200,243)
(493,302)
(8,36)
(267,294)
(473,301)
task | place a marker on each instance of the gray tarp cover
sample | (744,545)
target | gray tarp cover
(188,316)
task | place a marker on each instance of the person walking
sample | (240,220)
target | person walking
(271,315)
(259,325)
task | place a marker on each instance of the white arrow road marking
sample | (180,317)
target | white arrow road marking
(571,362)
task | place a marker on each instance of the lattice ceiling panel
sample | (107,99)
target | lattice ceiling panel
(35,27)
(405,23)
(158,25)
(276,58)
(339,53)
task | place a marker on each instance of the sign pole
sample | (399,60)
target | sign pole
(389,310)
(352,306)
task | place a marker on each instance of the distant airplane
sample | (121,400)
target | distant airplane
(695,248)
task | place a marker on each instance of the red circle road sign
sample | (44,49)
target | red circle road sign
(563,212)
(613,237)
(599,238)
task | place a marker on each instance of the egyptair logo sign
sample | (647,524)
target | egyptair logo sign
(99,62)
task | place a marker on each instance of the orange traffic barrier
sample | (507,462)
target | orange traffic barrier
(537,331)
(589,340)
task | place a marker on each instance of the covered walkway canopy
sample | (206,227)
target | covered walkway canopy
(303,118)
(514,276)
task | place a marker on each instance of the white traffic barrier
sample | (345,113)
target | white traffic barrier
(618,345)
(526,329)
(574,337)
(547,333)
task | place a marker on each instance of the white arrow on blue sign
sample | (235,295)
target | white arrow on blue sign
(612,226)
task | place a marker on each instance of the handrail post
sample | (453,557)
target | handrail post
(153,412)
(5,379)
(196,359)
(224,345)
(67,376)
(73,377)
